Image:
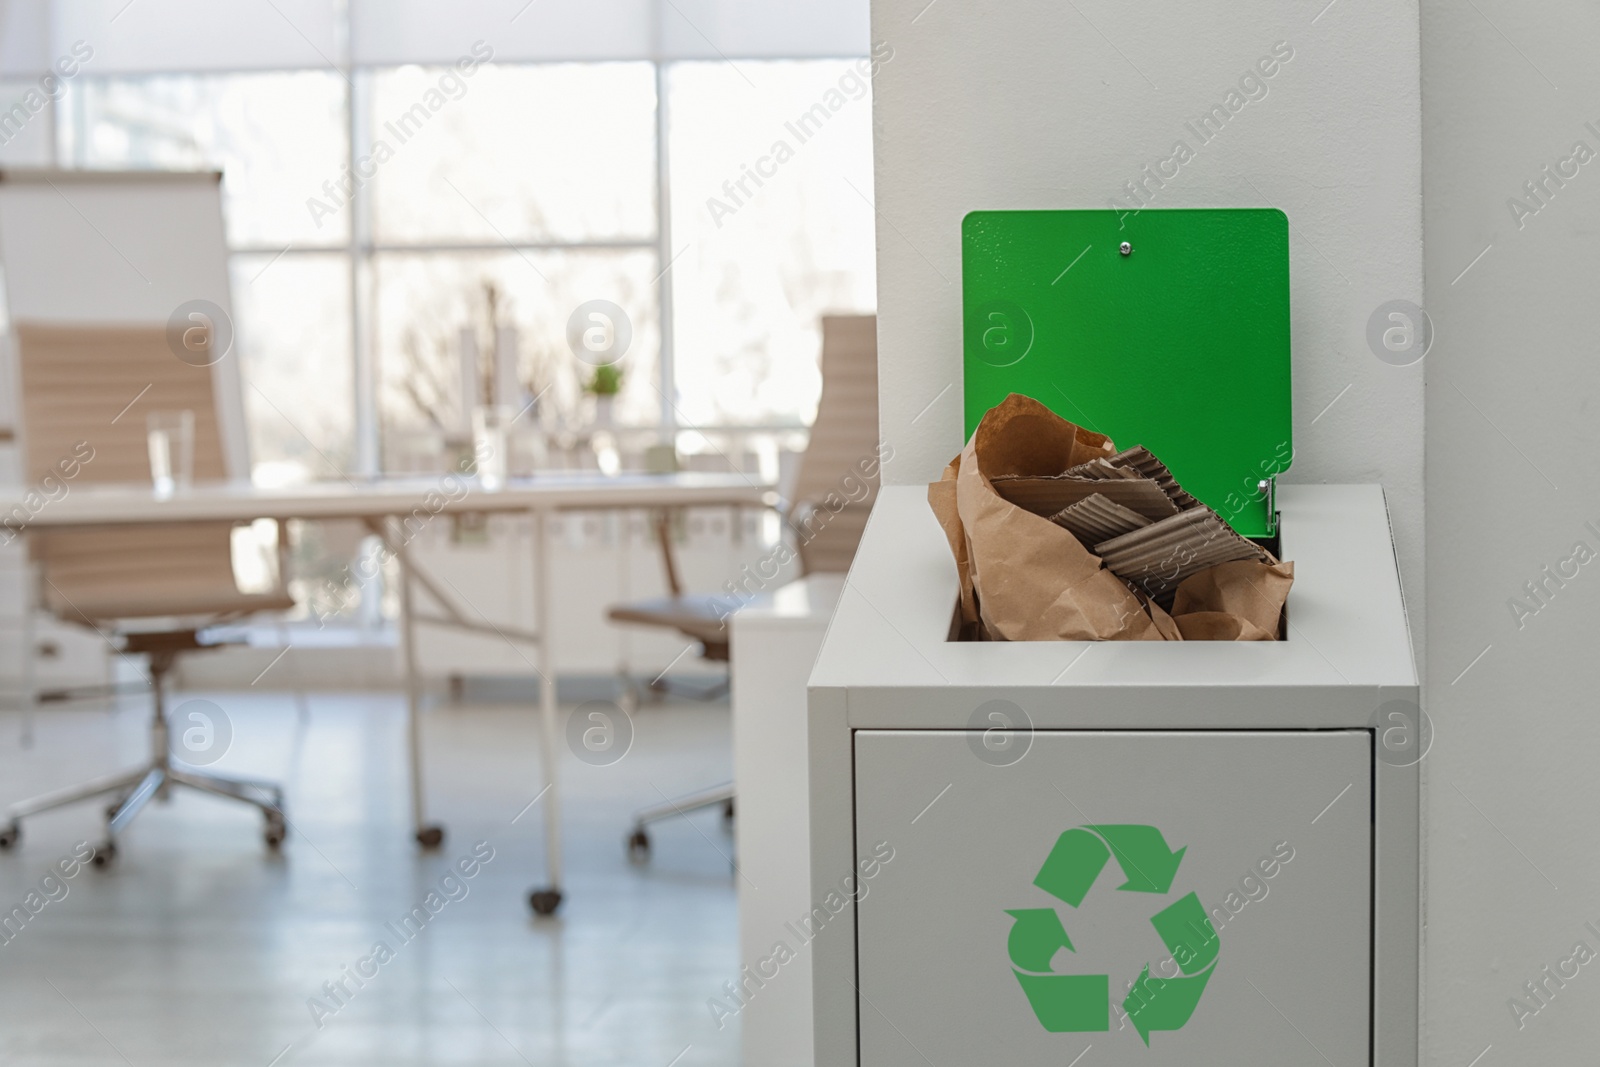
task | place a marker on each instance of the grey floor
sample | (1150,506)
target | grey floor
(199,946)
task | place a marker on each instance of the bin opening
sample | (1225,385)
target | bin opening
(959,631)
(1063,537)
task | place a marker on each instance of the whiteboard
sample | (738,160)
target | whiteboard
(123,248)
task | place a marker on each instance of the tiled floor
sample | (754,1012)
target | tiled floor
(200,946)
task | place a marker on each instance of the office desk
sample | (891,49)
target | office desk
(386,507)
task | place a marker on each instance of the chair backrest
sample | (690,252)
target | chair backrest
(85,394)
(97,384)
(838,477)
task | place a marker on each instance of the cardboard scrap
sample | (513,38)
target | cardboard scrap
(1097,518)
(1030,490)
(1157,557)
(1138,458)
(1105,470)
(1047,496)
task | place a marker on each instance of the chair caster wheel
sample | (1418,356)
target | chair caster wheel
(430,836)
(544,902)
(638,846)
(10,836)
(104,853)
(276,829)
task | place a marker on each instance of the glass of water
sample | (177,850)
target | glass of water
(491,443)
(170,435)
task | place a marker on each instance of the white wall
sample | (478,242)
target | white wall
(1035,104)
(1513,871)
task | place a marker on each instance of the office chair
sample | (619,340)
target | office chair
(828,512)
(148,589)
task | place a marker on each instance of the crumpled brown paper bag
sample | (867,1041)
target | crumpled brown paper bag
(1240,601)
(1024,578)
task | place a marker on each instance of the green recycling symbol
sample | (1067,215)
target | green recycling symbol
(1081,1002)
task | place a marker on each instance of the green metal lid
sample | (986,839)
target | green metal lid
(1168,329)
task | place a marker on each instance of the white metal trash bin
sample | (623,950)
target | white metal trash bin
(1280,779)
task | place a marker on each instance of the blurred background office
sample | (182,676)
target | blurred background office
(620,241)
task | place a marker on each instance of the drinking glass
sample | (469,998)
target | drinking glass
(170,436)
(491,442)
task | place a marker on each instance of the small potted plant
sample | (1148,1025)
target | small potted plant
(605,384)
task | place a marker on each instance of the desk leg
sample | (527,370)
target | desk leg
(546,899)
(428,836)
(30,650)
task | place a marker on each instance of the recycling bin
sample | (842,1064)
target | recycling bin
(1105,853)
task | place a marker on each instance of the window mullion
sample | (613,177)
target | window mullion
(368,450)
(664,367)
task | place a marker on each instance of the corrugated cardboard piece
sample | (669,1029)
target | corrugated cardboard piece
(1098,518)
(1047,496)
(1158,557)
(1050,544)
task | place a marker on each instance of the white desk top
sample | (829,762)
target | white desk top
(805,603)
(102,505)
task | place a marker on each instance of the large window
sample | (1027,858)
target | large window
(276,138)
(772,226)
(387,224)
(550,153)
(530,191)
